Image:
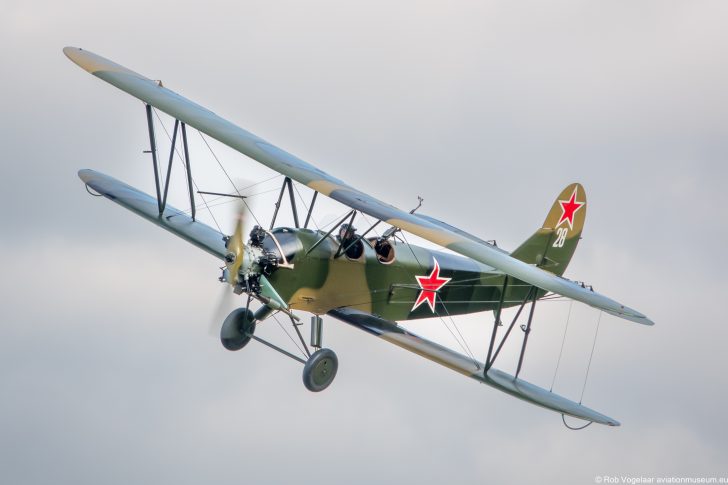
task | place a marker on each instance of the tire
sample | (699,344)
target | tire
(237,329)
(320,370)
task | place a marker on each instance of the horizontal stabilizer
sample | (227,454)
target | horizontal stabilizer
(507,383)
(173,220)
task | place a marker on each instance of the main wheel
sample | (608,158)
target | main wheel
(320,370)
(237,329)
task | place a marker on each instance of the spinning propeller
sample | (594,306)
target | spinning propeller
(236,250)
(246,267)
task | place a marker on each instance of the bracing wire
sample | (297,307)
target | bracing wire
(465,345)
(369,223)
(335,220)
(179,156)
(250,186)
(563,340)
(228,176)
(227,200)
(588,367)
(461,341)
(289,335)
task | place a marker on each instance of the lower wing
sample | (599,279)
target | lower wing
(173,220)
(507,383)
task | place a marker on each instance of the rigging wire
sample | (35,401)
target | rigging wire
(179,156)
(563,340)
(369,223)
(463,344)
(594,344)
(228,177)
(335,220)
(275,317)
(227,199)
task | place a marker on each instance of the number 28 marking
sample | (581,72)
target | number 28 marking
(560,237)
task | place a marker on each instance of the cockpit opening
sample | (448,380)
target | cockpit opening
(351,243)
(384,250)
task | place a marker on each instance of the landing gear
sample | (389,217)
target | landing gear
(237,329)
(320,370)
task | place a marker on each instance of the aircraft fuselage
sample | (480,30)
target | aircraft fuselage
(401,282)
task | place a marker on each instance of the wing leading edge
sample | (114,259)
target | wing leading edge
(287,164)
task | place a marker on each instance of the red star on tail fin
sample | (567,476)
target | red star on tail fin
(569,208)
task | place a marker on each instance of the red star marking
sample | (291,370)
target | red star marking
(430,284)
(569,208)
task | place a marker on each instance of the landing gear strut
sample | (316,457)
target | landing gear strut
(320,369)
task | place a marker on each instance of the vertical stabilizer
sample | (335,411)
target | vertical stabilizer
(552,246)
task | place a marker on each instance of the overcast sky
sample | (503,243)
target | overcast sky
(486,109)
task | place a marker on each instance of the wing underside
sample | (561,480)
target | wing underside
(173,220)
(283,162)
(500,380)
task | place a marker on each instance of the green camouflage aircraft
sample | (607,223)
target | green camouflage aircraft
(368,282)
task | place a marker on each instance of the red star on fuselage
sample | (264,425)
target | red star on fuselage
(430,285)
(569,208)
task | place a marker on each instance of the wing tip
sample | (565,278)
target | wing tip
(76,54)
(69,50)
(539,396)
(93,63)
(85,174)
(632,316)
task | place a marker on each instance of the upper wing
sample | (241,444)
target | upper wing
(283,162)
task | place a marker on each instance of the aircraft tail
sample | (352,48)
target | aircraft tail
(552,246)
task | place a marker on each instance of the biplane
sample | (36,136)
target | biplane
(370,282)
